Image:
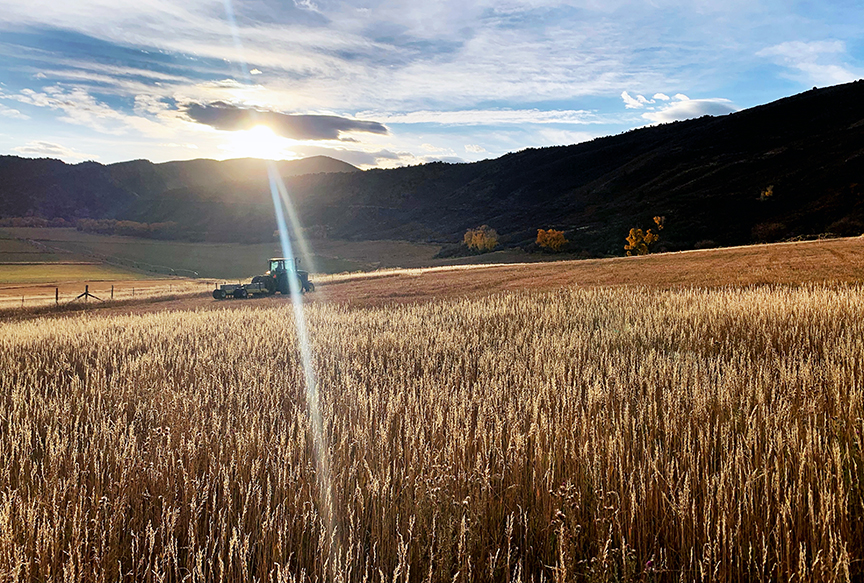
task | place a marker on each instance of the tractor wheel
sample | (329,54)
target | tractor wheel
(268,282)
(265,282)
(240,293)
(218,294)
(310,287)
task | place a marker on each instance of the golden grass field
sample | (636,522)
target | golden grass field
(519,428)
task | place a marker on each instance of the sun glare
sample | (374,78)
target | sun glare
(258,142)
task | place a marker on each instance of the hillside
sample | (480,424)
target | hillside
(704,175)
(140,190)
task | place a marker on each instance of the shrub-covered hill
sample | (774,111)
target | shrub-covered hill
(707,176)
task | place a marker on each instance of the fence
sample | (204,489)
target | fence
(36,296)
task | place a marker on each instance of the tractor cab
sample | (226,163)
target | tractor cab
(281,269)
(277,264)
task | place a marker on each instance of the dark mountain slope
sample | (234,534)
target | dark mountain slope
(705,175)
(51,188)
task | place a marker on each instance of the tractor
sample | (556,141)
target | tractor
(276,279)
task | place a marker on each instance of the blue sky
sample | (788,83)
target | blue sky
(388,83)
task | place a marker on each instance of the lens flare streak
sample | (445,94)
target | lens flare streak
(281,202)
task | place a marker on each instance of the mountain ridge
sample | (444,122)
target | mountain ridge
(707,176)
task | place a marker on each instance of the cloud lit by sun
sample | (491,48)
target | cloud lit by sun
(258,142)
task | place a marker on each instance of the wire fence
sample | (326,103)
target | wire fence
(29,297)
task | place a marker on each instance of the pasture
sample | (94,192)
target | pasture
(209,260)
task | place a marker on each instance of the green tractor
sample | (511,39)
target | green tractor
(276,279)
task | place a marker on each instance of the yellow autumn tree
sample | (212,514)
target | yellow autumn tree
(482,239)
(551,239)
(639,240)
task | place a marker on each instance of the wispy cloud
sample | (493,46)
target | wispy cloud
(820,62)
(79,107)
(490,117)
(11,113)
(52,150)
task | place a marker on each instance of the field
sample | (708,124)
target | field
(814,262)
(56,272)
(691,416)
(209,260)
(576,434)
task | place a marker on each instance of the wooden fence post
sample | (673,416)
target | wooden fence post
(56,295)
(112,292)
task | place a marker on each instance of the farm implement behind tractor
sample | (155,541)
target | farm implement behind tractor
(276,279)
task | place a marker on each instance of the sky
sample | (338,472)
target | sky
(383,83)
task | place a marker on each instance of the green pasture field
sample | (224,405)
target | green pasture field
(9,245)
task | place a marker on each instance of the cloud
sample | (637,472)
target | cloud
(444,64)
(11,113)
(78,106)
(51,150)
(255,72)
(819,62)
(307,4)
(637,102)
(474,148)
(690,108)
(227,117)
(804,51)
(489,117)
(152,117)
(677,107)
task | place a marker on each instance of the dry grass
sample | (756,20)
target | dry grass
(829,261)
(834,260)
(589,435)
(37,273)
(25,301)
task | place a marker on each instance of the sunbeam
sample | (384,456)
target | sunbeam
(282,201)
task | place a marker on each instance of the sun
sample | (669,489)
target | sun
(258,142)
